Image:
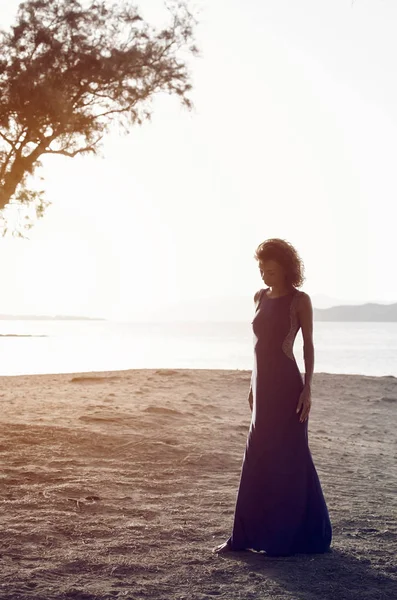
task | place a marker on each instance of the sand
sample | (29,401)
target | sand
(119,484)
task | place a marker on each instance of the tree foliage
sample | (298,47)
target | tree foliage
(68,71)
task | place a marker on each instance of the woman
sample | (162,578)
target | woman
(280,506)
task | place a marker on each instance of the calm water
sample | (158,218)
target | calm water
(77,346)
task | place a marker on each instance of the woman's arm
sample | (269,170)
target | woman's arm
(305,315)
(257,299)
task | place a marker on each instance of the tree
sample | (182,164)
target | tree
(69,72)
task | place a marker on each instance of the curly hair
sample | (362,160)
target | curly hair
(284,254)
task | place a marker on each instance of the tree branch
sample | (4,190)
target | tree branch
(115,111)
(69,154)
(12,144)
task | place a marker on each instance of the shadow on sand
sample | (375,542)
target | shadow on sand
(333,575)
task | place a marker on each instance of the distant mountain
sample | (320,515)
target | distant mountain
(362,312)
(47,318)
(241,308)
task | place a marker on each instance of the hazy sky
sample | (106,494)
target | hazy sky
(293,135)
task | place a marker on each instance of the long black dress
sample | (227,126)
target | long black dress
(280,505)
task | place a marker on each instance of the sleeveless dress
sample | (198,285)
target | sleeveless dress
(280,507)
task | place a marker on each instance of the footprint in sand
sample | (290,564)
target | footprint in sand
(166,372)
(88,379)
(161,410)
(143,390)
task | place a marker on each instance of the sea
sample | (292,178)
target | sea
(75,346)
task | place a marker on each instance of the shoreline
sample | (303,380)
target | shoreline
(109,372)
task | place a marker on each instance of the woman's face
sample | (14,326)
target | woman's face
(272,273)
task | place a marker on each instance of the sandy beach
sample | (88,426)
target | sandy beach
(119,484)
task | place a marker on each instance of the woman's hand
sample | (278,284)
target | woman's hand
(304,403)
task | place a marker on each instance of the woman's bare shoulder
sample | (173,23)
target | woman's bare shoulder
(304,299)
(258,295)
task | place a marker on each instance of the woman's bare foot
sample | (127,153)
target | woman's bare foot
(222,548)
